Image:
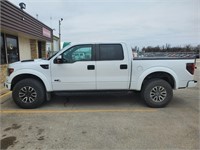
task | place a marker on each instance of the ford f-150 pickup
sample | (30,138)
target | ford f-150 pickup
(98,67)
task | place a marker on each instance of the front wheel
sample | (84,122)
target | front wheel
(29,93)
(157,93)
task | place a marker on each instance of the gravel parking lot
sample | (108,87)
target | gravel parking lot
(103,122)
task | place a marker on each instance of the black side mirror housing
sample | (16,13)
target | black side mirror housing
(58,60)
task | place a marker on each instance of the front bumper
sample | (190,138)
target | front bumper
(191,83)
(7,85)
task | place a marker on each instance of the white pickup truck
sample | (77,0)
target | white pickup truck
(103,67)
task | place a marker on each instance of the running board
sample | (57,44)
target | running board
(78,93)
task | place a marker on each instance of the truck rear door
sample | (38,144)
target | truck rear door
(112,67)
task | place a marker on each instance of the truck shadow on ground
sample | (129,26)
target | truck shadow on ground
(107,100)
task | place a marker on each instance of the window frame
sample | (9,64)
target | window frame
(17,42)
(4,47)
(5,36)
(92,51)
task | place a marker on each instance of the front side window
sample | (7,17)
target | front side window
(110,52)
(78,53)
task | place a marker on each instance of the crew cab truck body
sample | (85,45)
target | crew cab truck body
(98,68)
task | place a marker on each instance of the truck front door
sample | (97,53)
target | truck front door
(75,69)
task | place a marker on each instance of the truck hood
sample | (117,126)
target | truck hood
(29,63)
(34,60)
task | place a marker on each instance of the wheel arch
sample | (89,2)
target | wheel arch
(20,77)
(160,73)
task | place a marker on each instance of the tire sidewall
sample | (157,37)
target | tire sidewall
(150,85)
(36,85)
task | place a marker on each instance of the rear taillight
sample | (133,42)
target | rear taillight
(190,67)
(10,70)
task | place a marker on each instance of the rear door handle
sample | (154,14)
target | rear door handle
(123,66)
(90,67)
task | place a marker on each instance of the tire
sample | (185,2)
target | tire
(29,93)
(157,93)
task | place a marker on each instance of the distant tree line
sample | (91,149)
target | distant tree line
(169,48)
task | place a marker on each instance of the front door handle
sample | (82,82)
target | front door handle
(123,66)
(90,67)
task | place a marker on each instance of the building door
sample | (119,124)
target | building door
(12,48)
(39,49)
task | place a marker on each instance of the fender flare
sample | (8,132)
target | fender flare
(38,74)
(154,70)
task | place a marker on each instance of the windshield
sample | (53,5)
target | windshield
(66,47)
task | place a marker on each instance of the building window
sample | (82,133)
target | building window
(9,49)
(12,49)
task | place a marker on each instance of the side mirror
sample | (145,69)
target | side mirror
(58,60)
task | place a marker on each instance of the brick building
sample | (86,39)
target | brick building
(22,36)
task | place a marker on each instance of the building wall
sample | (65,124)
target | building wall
(27,30)
(33,45)
(13,18)
(55,45)
(24,48)
(3,73)
(34,49)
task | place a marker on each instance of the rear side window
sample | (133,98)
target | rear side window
(111,52)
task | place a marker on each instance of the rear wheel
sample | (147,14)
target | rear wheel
(157,93)
(29,93)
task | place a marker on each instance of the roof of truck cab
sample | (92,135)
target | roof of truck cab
(77,43)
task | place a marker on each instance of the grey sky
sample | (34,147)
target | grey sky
(138,22)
